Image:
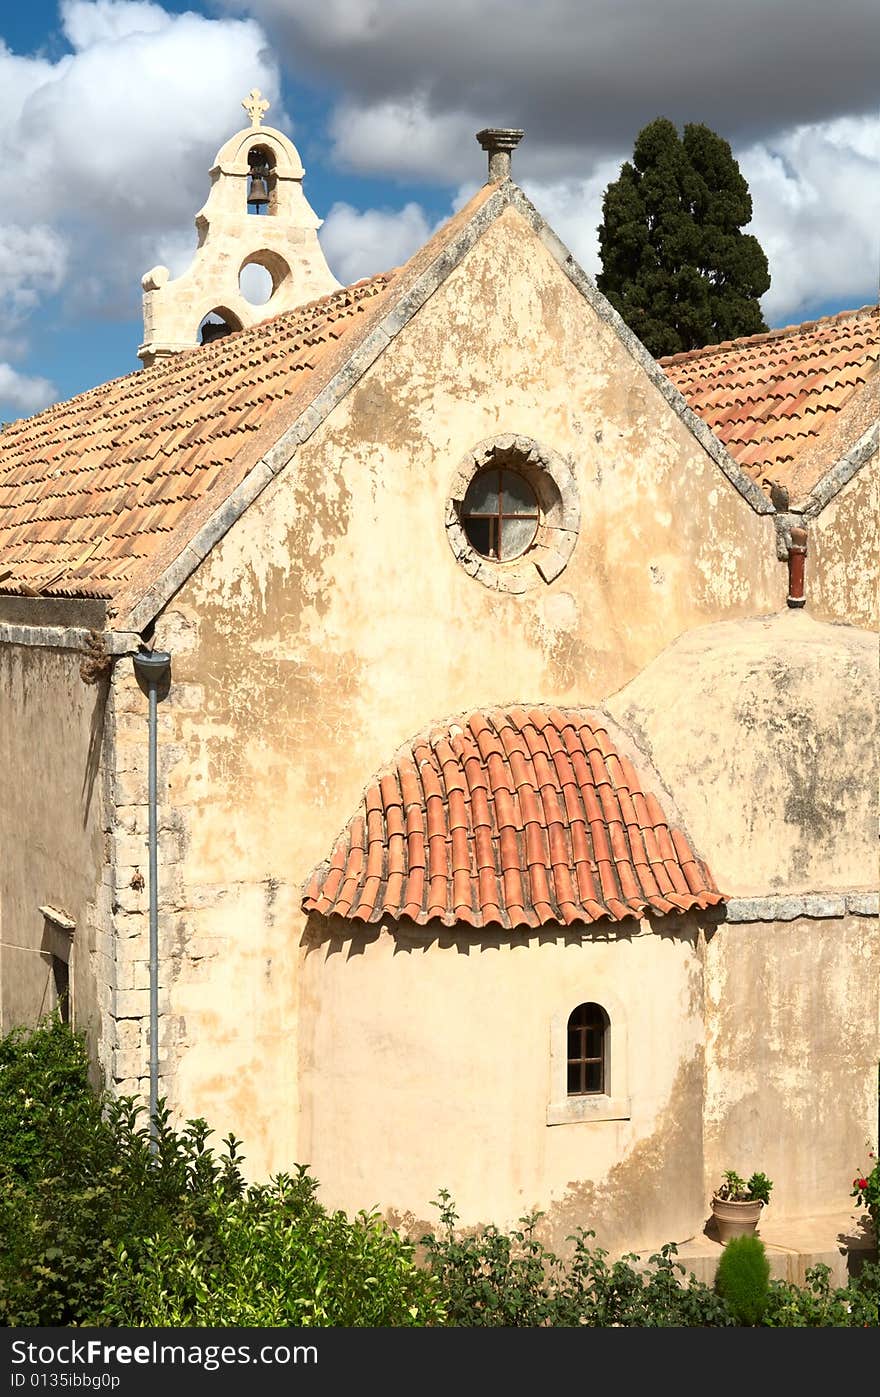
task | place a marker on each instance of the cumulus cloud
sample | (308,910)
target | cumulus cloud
(115,139)
(816,200)
(583,76)
(361,243)
(21,394)
(401,138)
(33,261)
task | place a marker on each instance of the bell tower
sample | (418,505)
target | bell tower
(256,214)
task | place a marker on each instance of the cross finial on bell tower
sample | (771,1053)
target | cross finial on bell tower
(256,106)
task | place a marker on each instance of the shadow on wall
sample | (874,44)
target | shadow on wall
(96,742)
(337,935)
(660,1177)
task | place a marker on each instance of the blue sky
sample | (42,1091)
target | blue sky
(111,112)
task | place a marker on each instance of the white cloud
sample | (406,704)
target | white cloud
(573,208)
(402,139)
(33,261)
(114,140)
(362,243)
(23,394)
(89,22)
(816,201)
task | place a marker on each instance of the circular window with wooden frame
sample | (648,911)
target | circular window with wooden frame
(513,515)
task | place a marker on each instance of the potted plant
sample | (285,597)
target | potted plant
(737,1204)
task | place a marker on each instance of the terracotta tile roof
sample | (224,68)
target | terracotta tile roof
(518,816)
(771,398)
(92,488)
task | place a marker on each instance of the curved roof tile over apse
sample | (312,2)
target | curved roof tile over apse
(521,817)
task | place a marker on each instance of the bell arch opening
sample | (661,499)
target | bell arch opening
(260,275)
(262,181)
(217,323)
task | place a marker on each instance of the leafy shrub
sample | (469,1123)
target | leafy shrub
(743,1278)
(816,1305)
(495,1278)
(866,1192)
(98,1228)
(276,1257)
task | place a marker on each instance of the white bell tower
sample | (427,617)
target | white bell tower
(256,213)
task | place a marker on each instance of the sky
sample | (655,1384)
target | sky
(111,112)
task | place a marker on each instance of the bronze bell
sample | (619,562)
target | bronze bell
(258,194)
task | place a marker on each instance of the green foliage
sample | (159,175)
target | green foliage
(275,1257)
(743,1278)
(96,1190)
(675,261)
(866,1192)
(99,1229)
(492,1278)
(735,1189)
(44,1095)
(817,1306)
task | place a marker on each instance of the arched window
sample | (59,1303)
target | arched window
(588,1034)
(589,1083)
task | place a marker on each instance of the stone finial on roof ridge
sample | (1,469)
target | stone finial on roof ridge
(498,142)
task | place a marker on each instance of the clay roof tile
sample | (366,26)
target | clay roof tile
(563,856)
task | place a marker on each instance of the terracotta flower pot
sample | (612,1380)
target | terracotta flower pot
(734,1219)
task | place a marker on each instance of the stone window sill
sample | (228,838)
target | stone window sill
(578,1110)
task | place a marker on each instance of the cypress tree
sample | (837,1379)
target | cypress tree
(675,261)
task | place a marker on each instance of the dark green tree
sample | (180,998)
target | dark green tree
(675,261)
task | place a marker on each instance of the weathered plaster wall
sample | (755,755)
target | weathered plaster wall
(333,622)
(791,1079)
(426,1064)
(843,561)
(765,732)
(52,837)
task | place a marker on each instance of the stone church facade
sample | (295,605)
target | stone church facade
(516,788)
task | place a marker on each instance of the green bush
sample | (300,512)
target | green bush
(743,1278)
(816,1306)
(492,1278)
(98,1228)
(276,1257)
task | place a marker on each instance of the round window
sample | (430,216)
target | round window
(500,514)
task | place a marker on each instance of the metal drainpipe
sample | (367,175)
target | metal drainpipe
(151,667)
(797,555)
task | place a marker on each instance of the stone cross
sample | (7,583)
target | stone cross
(256,106)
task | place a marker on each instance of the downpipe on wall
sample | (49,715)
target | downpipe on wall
(152,669)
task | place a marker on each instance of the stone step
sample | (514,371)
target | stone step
(841,1241)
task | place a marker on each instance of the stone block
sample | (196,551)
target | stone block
(132,1004)
(129,787)
(129,850)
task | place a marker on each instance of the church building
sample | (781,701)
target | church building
(439,741)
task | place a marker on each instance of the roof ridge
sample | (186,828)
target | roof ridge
(804,327)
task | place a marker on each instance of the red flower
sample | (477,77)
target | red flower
(861,1183)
